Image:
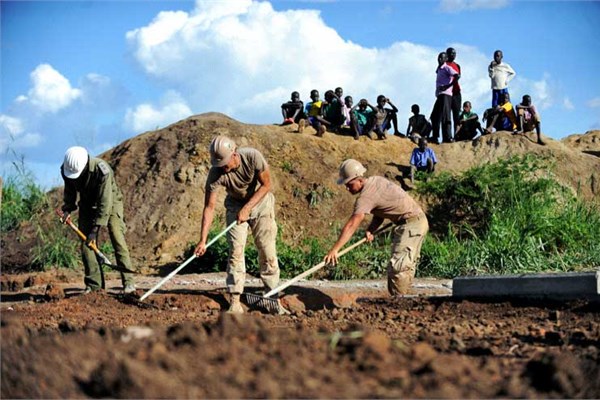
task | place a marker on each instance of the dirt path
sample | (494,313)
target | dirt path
(342,340)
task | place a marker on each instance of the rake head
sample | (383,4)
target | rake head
(271,305)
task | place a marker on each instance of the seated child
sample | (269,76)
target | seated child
(362,116)
(348,103)
(529,118)
(468,124)
(418,126)
(502,117)
(293,110)
(314,114)
(333,113)
(385,117)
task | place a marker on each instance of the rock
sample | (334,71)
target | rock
(53,293)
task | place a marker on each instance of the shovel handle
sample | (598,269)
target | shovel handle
(321,264)
(92,246)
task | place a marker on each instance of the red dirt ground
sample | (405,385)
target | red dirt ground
(341,341)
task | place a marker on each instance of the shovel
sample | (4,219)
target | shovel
(272,305)
(186,262)
(102,259)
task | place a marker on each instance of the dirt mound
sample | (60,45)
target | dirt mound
(588,143)
(388,348)
(162,175)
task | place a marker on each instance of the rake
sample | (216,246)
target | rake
(272,304)
(102,259)
(186,262)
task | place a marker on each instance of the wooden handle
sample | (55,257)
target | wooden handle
(321,264)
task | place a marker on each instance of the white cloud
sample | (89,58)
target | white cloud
(50,90)
(594,103)
(146,117)
(13,135)
(568,104)
(244,59)
(454,6)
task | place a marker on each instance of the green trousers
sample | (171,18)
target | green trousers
(94,277)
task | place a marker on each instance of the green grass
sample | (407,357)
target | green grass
(24,201)
(503,218)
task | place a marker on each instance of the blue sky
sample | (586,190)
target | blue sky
(95,73)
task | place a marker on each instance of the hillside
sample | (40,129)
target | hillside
(162,175)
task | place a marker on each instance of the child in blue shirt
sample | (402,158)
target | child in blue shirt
(422,159)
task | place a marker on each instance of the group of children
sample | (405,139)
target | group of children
(336,115)
(339,114)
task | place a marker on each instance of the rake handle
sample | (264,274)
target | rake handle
(321,264)
(186,262)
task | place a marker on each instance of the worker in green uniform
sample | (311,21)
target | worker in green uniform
(100,205)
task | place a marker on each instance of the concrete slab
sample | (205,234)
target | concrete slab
(580,285)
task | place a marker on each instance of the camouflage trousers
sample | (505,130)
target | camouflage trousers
(406,249)
(94,277)
(264,229)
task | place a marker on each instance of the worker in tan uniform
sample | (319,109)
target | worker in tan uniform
(384,199)
(100,205)
(245,174)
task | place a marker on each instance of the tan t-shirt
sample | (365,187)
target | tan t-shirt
(385,199)
(241,183)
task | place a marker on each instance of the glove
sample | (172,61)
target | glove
(93,235)
(66,217)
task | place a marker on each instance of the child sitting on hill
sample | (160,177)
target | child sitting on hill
(292,110)
(418,126)
(314,114)
(468,124)
(502,117)
(529,118)
(385,118)
(362,116)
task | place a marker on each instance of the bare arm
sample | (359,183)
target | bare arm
(210,199)
(347,231)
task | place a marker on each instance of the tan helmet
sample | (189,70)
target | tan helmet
(349,170)
(76,159)
(221,150)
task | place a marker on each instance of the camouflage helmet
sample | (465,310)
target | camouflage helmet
(349,170)
(221,149)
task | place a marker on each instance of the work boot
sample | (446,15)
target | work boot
(235,305)
(129,288)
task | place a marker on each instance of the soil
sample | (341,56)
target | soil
(341,340)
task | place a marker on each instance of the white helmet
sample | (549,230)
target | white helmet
(221,150)
(76,159)
(349,170)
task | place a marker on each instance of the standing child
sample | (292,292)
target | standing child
(440,116)
(500,74)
